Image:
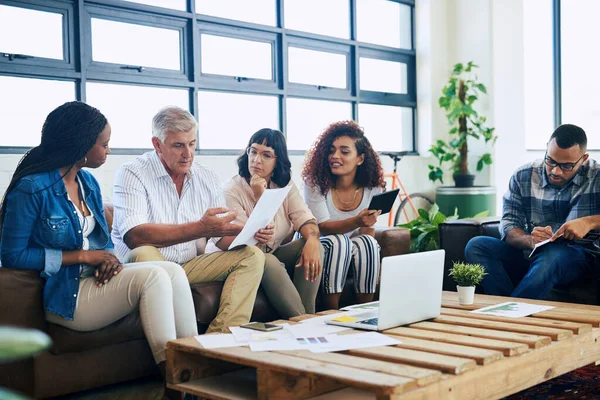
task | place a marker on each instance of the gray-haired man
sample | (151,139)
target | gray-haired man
(165,205)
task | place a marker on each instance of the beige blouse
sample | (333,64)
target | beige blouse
(292,214)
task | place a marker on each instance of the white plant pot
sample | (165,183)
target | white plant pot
(466,294)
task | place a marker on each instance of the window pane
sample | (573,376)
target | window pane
(130,109)
(174,4)
(236,57)
(313,67)
(227,120)
(388,128)
(382,76)
(306,119)
(384,22)
(538,82)
(31,32)
(24,105)
(130,44)
(579,62)
(257,11)
(331,17)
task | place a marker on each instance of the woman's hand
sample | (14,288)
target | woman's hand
(98,257)
(310,259)
(258,185)
(264,235)
(106,270)
(367,218)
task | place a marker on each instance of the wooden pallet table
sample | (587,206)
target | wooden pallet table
(458,355)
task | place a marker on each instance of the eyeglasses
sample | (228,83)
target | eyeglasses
(563,166)
(265,155)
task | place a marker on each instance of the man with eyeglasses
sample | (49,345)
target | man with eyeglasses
(557,197)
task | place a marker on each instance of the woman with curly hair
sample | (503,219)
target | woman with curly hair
(341,174)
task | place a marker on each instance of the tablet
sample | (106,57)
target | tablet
(384,201)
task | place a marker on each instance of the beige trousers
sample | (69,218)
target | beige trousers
(289,299)
(159,290)
(241,270)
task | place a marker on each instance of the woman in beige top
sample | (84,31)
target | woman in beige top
(265,165)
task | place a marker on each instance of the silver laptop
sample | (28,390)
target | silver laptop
(410,291)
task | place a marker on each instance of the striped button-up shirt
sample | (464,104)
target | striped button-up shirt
(532,201)
(145,193)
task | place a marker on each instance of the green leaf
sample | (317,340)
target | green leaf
(432,211)
(454,130)
(481,87)
(423,214)
(438,219)
(6,394)
(482,214)
(17,343)
(467,274)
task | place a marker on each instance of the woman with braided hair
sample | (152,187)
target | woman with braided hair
(52,220)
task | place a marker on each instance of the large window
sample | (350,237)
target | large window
(560,69)
(237,65)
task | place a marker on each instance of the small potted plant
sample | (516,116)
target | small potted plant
(467,276)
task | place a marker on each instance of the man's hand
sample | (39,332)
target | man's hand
(310,259)
(541,233)
(258,185)
(367,218)
(106,271)
(213,225)
(573,230)
(265,234)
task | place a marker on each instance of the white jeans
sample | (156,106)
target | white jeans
(159,288)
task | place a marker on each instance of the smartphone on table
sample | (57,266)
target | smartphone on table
(261,326)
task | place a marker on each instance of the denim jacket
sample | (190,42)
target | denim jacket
(40,223)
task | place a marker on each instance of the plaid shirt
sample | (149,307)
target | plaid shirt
(532,201)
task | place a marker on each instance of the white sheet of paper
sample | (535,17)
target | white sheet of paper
(263,213)
(512,309)
(244,335)
(355,341)
(305,330)
(321,319)
(540,244)
(217,341)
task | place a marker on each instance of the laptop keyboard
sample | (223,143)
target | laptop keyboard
(372,321)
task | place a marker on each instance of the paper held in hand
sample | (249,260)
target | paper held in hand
(263,213)
(589,241)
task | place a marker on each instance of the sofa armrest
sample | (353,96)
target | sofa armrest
(21,299)
(393,241)
(454,236)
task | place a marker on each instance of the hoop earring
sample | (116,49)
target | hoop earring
(84,160)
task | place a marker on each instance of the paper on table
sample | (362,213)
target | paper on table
(218,340)
(321,319)
(305,330)
(354,341)
(263,213)
(512,309)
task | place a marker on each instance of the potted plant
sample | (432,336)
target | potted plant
(466,276)
(459,96)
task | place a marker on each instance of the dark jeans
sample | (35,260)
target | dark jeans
(510,273)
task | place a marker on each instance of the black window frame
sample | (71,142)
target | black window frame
(78,66)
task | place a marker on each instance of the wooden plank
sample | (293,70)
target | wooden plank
(271,361)
(240,384)
(508,349)
(452,365)
(513,374)
(576,328)
(481,356)
(282,385)
(420,376)
(533,341)
(554,333)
